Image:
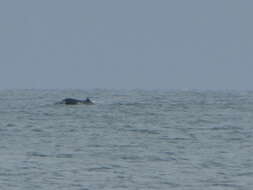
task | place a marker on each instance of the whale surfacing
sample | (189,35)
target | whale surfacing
(72,101)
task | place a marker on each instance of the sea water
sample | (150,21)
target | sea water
(136,139)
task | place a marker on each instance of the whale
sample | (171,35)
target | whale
(73,101)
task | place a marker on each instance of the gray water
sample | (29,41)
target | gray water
(135,139)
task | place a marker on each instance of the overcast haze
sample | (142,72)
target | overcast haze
(147,44)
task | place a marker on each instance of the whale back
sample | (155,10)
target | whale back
(72,101)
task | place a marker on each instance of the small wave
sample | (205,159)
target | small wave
(160,159)
(145,131)
(131,104)
(64,156)
(99,169)
(245,174)
(10,125)
(131,158)
(37,154)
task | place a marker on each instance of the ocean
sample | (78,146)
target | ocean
(130,139)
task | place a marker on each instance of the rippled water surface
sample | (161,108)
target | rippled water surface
(128,140)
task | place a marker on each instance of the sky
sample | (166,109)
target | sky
(126,44)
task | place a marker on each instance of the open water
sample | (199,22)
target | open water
(177,140)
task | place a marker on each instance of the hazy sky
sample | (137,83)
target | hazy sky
(122,44)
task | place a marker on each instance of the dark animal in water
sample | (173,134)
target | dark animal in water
(72,101)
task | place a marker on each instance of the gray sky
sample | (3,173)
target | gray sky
(122,44)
